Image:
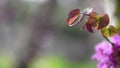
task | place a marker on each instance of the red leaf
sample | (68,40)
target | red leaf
(93,15)
(104,21)
(92,18)
(73,16)
(89,27)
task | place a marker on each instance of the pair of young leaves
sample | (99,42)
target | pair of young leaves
(94,21)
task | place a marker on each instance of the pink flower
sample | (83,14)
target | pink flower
(106,55)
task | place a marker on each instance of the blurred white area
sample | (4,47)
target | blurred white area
(110,9)
(66,3)
(97,5)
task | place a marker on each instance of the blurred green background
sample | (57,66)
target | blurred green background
(35,34)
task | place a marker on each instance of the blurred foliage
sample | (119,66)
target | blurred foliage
(49,62)
(117,14)
(46,62)
(109,32)
(6,61)
(58,62)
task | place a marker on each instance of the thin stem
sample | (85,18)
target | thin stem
(109,41)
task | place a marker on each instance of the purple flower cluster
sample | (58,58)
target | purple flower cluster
(106,55)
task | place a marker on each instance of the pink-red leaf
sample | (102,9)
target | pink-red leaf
(93,19)
(104,21)
(73,16)
(89,27)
